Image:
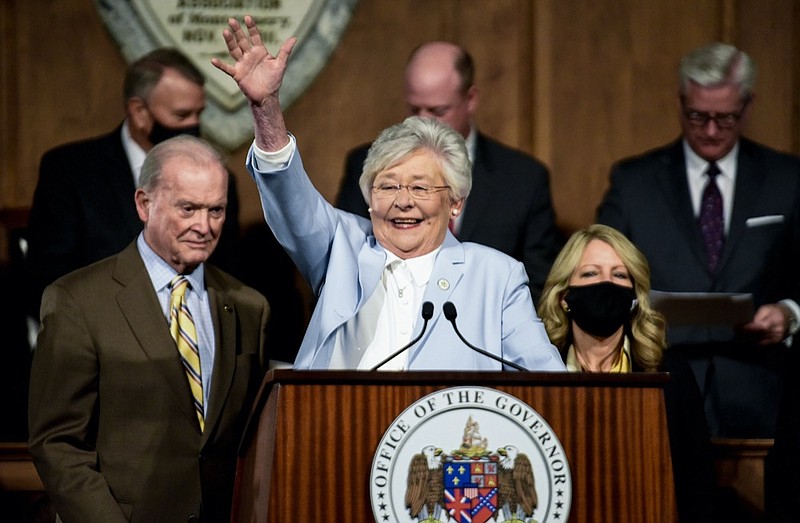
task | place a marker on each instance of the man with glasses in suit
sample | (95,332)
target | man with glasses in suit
(716,212)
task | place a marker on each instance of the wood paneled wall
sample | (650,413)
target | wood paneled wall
(578,83)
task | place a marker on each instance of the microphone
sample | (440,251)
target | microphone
(450,313)
(427,314)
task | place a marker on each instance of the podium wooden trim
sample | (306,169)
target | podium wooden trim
(309,446)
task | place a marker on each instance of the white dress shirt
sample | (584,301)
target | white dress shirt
(136,154)
(696,168)
(161,274)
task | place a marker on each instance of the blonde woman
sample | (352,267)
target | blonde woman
(596,311)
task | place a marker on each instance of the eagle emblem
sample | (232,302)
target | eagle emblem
(517,497)
(471,484)
(424,492)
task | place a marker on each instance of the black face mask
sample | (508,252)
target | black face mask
(160,132)
(601,308)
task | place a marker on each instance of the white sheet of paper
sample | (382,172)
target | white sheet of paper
(703,308)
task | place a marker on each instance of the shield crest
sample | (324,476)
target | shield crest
(470,488)
(195,28)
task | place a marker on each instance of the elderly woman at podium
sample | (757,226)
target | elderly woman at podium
(596,310)
(398,280)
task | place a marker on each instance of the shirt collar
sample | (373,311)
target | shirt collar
(696,166)
(471,141)
(161,273)
(135,153)
(421,267)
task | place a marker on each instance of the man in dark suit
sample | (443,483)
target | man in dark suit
(715,212)
(509,207)
(82,209)
(139,394)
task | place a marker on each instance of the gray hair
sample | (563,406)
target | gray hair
(718,64)
(184,145)
(397,142)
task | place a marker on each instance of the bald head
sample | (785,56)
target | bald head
(439,85)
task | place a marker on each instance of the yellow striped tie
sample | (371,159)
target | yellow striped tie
(183,331)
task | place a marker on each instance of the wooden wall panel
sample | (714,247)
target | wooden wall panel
(608,69)
(579,84)
(774,44)
(361,92)
(68,80)
(498,39)
(8,111)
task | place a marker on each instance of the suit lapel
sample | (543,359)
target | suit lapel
(480,195)
(674,187)
(139,304)
(371,262)
(224,317)
(746,193)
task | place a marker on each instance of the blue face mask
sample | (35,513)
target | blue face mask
(602,308)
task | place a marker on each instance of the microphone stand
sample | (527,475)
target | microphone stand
(450,313)
(427,314)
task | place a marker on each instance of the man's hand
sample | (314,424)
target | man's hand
(770,325)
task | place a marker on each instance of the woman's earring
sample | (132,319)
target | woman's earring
(369,210)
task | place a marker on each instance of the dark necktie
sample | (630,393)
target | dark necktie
(712,225)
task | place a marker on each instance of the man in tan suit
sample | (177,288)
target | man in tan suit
(116,432)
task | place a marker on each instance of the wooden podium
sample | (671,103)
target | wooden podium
(309,447)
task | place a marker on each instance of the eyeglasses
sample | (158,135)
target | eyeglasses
(418,191)
(721,120)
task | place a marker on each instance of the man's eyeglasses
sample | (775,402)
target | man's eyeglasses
(418,191)
(721,120)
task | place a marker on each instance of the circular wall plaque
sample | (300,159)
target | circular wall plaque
(195,28)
